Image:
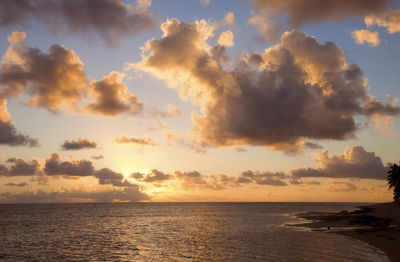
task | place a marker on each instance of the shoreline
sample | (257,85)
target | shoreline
(377,225)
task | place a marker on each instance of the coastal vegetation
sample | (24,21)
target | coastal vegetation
(394,181)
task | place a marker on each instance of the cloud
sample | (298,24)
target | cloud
(132,140)
(154,176)
(173,111)
(18,167)
(305,181)
(81,143)
(11,137)
(365,36)
(265,27)
(4,114)
(222,181)
(109,177)
(108,19)
(22,184)
(389,19)
(383,124)
(228,20)
(137,175)
(191,179)
(341,187)
(354,163)
(41,179)
(296,182)
(81,168)
(183,140)
(265,178)
(53,80)
(226,39)
(295,91)
(303,12)
(131,194)
(112,97)
(369,189)
(8,133)
(97,157)
(205,2)
(54,166)
(56,80)
(170,111)
(75,168)
(195,180)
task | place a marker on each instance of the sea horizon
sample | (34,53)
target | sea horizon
(201,130)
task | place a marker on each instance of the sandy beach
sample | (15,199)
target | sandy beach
(377,225)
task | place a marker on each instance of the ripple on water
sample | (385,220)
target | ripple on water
(171,232)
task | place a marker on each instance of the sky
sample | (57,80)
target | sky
(198,100)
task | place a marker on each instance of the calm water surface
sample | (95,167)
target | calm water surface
(172,232)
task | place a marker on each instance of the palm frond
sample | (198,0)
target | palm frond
(393,179)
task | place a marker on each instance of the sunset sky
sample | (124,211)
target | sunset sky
(188,100)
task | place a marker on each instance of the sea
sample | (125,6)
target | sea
(173,232)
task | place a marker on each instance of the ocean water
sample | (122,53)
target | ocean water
(172,232)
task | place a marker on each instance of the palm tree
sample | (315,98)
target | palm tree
(394,181)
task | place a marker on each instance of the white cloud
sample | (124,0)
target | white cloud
(365,36)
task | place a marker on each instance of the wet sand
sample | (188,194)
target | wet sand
(377,225)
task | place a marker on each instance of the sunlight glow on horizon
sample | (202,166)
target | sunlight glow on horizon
(219,102)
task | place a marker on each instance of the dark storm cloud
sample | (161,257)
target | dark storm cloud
(132,194)
(109,19)
(295,91)
(354,163)
(81,143)
(56,80)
